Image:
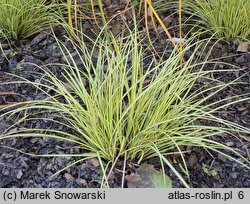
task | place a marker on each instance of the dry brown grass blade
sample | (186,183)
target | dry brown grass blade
(10,93)
(69,17)
(180,30)
(153,14)
(147,29)
(70,21)
(75,15)
(15,105)
(140,7)
(161,24)
(152,18)
(25,103)
(93,13)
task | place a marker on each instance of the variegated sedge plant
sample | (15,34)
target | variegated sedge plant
(226,19)
(132,110)
(23,18)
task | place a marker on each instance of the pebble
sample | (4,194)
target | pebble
(19,174)
(37,39)
(246,183)
(222,157)
(234,175)
(230,144)
(81,182)
(6,172)
(94,162)
(69,177)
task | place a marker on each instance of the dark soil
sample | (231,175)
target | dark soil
(19,167)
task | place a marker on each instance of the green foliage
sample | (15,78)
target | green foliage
(209,172)
(214,172)
(227,19)
(134,109)
(23,18)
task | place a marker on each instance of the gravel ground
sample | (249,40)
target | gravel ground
(19,167)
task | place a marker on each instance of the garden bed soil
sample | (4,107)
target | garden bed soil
(19,167)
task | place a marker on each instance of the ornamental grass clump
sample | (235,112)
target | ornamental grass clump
(227,19)
(125,106)
(23,18)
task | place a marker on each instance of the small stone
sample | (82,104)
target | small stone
(38,38)
(192,160)
(221,185)
(230,144)
(81,182)
(246,184)
(222,157)
(234,175)
(219,45)
(107,2)
(24,165)
(222,175)
(243,47)
(34,140)
(19,174)
(94,162)
(6,172)
(69,177)
(246,175)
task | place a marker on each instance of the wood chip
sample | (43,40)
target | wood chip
(243,47)
(94,162)
(69,177)
(222,157)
